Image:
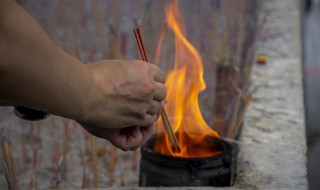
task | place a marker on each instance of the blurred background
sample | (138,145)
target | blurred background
(57,152)
(95,30)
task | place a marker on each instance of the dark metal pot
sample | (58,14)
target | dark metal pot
(162,170)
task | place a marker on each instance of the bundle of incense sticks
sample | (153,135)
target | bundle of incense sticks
(173,139)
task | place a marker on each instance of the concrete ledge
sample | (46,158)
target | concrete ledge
(273,145)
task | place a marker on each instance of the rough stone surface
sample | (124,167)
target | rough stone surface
(273,150)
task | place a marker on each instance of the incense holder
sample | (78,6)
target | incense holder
(162,170)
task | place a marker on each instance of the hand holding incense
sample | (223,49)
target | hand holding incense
(173,139)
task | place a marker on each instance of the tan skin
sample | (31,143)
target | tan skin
(113,99)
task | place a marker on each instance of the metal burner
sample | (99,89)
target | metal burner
(162,170)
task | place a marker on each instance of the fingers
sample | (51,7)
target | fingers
(158,74)
(154,107)
(153,113)
(136,138)
(133,139)
(129,138)
(160,78)
(146,120)
(146,133)
(160,92)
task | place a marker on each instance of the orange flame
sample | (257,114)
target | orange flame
(184,83)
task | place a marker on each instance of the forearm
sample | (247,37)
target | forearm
(34,72)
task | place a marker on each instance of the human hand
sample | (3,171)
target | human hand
(123,94)
(128,138)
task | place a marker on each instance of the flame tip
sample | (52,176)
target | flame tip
(184,83)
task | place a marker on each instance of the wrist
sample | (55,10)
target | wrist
(89,98)
(86,98)
(71,98)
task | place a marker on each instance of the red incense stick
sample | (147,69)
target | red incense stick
(173,139)
(135,34)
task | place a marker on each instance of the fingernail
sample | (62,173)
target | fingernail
(163,102)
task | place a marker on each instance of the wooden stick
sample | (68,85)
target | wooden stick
(172,138)
(31,184)
(113,157)
(246,98)
(56,180)
(13,167)
(243,113)
(65,147)
(85,180)
(242,94)
(135,160)
(122,179)
(8,177)
(7,164)
(112,164)
(95,161)
(232,127)
(5,154)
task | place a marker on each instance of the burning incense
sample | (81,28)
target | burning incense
(166,123)
(172,137)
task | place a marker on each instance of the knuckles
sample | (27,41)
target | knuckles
(149,88)
(141,110)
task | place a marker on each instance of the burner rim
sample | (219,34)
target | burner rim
(223,159)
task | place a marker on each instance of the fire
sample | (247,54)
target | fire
(184,83)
